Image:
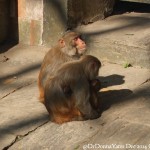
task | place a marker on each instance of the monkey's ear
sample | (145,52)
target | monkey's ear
(61,43)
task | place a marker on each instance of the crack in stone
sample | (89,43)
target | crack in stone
(18,88)
(20,137)
(146,81)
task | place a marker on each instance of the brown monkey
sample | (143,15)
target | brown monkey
(69,93)
(70,47)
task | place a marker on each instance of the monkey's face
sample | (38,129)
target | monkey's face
(72,44)
(80,45)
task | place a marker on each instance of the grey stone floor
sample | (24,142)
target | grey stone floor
(24,122)
(121,38)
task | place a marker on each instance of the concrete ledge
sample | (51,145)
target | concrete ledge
(121,39)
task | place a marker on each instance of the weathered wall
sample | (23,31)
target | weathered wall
(41,21)
(54,20)
(87,11)
(37,22)
(4,19)
(30,15)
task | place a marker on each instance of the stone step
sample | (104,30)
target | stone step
(120,39)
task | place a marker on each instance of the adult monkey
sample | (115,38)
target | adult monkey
(71,93)
(70,47)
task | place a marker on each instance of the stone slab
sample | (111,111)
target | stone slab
(24,122)
(120,39)
(123,125)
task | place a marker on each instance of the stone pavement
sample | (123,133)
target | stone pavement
(24,122)
(121,38)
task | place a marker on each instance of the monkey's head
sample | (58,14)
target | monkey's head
(91,66)
(72,44)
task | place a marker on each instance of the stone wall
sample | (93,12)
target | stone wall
(87,11)
(54,20)
(30,18)
(37,22)
(41,21)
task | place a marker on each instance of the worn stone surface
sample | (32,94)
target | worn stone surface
(41,22)
(20,114)
(30,22)
(124,124)
(24,123)
(30,32)
(84,11)
(24,31)
(19,67)
(54,20)
(128,123)
(18,74)
(121,39)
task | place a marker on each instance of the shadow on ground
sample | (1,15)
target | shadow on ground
(111,80)
(10,128)
(23,71)
(110,97)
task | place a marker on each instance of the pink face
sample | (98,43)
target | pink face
(80,45)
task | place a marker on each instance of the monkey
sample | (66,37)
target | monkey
(70,47)
(69,93)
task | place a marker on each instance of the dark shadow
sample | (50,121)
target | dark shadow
(54,20)
(23,71)
(111,80)
(133,21)
(127,7)
(10,25)
(111,97)
(10,128)
(6,45)
(57,5)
